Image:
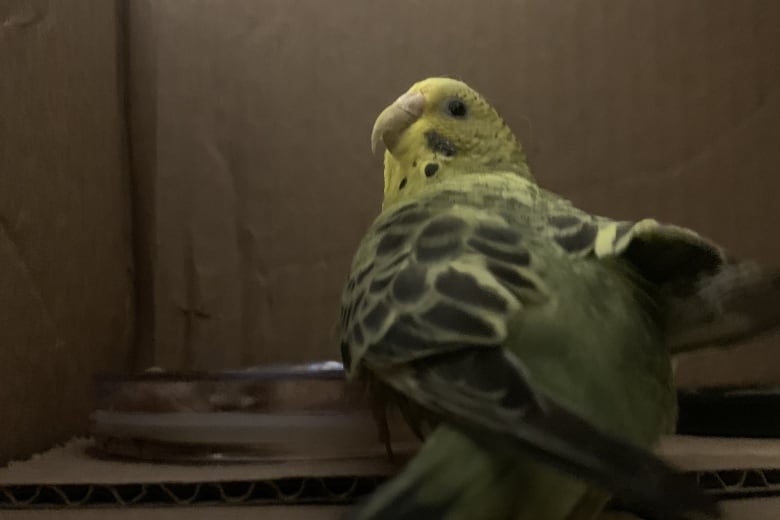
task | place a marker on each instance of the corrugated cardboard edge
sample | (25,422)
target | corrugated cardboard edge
(191,513)
(66,477)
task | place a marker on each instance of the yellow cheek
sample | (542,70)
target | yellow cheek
(393,178)
(401,184)
(389,198)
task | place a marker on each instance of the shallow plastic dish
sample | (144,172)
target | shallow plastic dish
(282,412)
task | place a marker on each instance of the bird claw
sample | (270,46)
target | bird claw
(379,411)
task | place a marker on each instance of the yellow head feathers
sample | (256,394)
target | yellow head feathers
(439,128)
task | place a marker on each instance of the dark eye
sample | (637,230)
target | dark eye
(456,108)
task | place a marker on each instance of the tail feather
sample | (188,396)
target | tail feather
(737,303)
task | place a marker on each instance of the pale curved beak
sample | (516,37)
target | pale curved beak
(396,118)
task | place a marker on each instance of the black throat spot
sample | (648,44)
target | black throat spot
(440,144)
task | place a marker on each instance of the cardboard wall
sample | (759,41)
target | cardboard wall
(65,265)
(260,180)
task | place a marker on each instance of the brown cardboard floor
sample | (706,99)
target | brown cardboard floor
(69,464)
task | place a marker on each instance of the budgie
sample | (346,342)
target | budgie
(527,342)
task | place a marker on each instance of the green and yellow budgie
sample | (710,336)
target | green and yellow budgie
(529,343)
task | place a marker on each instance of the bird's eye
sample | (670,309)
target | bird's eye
(456,108)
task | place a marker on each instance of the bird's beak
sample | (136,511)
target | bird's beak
(396,118)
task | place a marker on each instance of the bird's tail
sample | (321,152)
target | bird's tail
(738,302)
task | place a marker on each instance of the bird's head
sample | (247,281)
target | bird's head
(439,128)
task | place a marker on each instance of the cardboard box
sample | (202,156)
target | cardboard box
(232,140)
(745,475)
(66,298)
(259,181)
